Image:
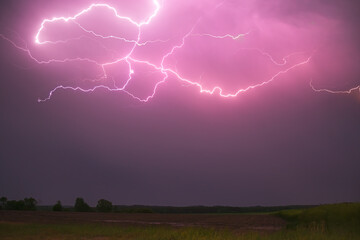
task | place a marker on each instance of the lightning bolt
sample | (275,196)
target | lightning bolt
(224,36)
(351,90)
(166,72)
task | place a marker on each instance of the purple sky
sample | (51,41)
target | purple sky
(278,141)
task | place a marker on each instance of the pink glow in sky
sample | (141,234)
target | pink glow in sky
(222,48)
(248,102)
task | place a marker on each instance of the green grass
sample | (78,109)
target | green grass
(328,222)
(331,216)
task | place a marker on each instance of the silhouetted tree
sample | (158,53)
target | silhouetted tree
(81,205)
(3,201)
(15,205)
(20,205)
(30,203)
(104,205)
(57,207)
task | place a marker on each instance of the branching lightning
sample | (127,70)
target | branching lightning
(130,60)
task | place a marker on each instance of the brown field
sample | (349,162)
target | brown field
(238,222)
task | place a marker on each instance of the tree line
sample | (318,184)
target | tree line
(104,205)
(80,205)
(25,204)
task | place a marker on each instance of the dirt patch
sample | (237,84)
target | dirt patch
(262,223)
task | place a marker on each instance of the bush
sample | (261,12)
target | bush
(15,205)
(142,210)
(11,205)
(104,206)
(81,205)
(58,207)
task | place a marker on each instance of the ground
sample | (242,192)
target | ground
(239,222)
(324,222)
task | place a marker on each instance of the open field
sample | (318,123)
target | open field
(340,221)
(238,222)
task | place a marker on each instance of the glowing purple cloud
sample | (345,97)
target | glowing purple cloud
(219,64)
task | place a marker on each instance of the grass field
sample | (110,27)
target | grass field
(327,222)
